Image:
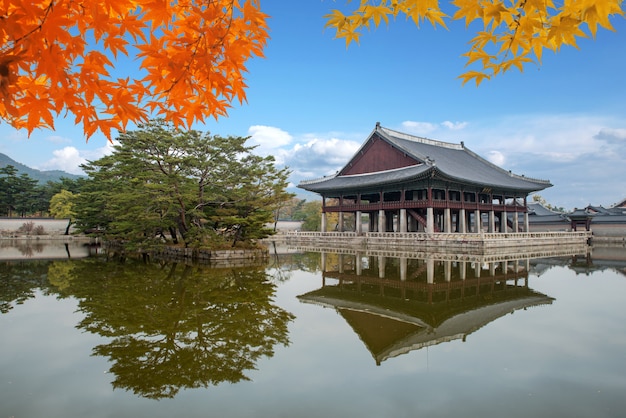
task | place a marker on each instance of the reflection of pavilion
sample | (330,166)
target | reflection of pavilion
(401,304)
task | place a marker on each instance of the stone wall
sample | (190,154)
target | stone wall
(472,243)
(218,258)
(9,226)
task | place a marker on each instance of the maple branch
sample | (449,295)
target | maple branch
(14,42)
(196,44)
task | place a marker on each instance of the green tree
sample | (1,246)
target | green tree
(62,206)
(310,213)
(163,184)
(26,198)
(17,193)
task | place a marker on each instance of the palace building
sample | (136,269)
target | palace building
(398,182)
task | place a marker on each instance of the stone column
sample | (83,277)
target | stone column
(478,222)
(323,227)
(463,270)
(462,225)
(492,221)
(430,221)
(358,227)
(382,222)
(340,222)
(515,222)
(447,220)
(403,221)
(526,223)
(503,221)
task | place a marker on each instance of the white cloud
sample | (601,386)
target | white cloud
(419,128)
(69,158)
(454,126)
(433,130)
(314,156)
(496,157)
(268,138)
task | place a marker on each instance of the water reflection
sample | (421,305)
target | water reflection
(397,303)
(19,249)
(167,326)
(19,280)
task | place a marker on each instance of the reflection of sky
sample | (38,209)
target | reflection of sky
(563,359)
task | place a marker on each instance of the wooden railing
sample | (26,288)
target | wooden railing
(423,204)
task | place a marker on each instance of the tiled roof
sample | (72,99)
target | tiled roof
(453,161)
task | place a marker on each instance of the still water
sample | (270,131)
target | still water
(312,334)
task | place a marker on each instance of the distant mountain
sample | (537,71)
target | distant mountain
(41,176)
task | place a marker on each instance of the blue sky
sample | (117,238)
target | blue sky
(312,102)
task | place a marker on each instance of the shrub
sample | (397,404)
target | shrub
(29,228)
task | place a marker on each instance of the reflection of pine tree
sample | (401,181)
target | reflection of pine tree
(173,326)
(19,280)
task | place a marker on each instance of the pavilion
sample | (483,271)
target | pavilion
(405,183)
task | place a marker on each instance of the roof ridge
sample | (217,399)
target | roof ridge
(420,139)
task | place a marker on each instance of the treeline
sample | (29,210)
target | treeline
(22,196)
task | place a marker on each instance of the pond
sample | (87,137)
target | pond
(312,334)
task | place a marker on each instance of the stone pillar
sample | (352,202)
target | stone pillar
(478,222)
(447,220)
(463,270)
(382,222)
(515,222)
(430,221)
(403,268)
(492,222)
(462,224)
(526,223)
(447,270)
(503,221)
(340,222)
(381,266)
(358,227)
(403,221)
(323,227)
(358,263)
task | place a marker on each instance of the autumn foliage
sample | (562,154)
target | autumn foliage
(512,33)
(112,62)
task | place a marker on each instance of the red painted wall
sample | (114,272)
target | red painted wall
(377,155)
